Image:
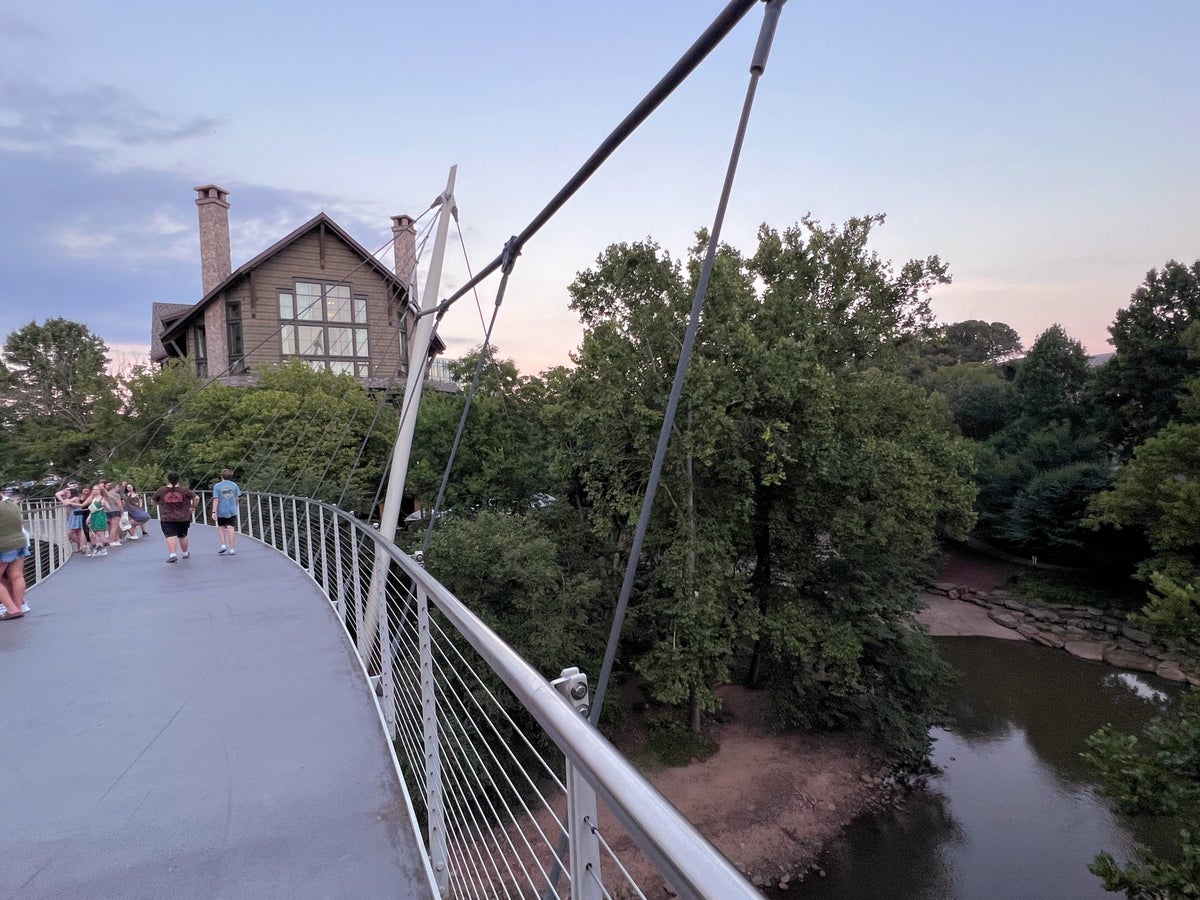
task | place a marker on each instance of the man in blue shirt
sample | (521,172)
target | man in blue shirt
(226,494)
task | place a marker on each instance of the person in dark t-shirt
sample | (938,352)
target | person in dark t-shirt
(175,506)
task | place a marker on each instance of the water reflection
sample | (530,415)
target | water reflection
(1014,812)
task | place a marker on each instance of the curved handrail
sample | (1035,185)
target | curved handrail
(685,858)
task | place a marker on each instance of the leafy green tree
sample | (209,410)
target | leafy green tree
(1051,381)
(1140,387)
(1037,474)
(1157,495)
(58,399)
(500,463)
(1157,777)
(296,431)
(634,305)
(977,341)
(805,474)
(527,585)
(981,401)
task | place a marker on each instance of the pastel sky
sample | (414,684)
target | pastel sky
(1047,152)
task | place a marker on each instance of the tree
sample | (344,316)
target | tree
(58,398)
(527,585)
(500,463)
(1051,381)
(1037,474)
(805,473)
(634,305)
(1157,495)
(1140,386)
(1157,777)
(977,341)
(981,401)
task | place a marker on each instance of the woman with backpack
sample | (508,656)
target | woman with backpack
(175,506)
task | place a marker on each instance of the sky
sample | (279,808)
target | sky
(1046,152)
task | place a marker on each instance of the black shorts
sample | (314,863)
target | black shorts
(224,521)
(175,529)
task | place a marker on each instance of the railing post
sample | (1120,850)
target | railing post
(387,673)
(434,801)
(358,595)
(296,534)
(308,549)
(584,849)
(321,537)
(282,545)
(339,570)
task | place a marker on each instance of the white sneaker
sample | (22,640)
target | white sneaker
(232,552)
(172,558)
(186,554)
(115,544)
(24,607)
(223,550)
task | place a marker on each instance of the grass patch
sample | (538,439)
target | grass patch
(1073,587)
(670,742)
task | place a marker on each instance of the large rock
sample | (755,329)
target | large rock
(1047,640)
(1086,650)
(1171,672)
(1008,620)
(1133,634)
(1128,659)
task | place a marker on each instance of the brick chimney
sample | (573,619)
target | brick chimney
(215,263)
(404,245)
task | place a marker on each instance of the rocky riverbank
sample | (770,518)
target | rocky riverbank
(1082,631)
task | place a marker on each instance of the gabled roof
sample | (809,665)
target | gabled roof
(173,330)
(163,315)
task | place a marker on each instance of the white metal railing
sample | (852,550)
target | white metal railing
(48,544)
(503,769)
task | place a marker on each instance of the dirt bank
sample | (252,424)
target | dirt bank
(769,802)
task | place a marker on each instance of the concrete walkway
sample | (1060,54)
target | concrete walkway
(193,730)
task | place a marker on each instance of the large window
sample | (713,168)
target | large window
(325,324)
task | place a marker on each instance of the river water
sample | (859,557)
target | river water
(1014,812)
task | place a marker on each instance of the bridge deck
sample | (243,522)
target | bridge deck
(193,730)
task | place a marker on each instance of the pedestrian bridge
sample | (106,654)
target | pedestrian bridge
(282,724)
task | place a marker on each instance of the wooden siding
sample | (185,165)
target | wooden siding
(301,261)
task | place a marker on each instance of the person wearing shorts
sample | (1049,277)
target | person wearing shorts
(14,547)
(226,495)
(175,506)
(69,497)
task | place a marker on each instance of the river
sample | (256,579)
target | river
(1014,812)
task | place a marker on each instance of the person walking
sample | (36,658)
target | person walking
(14,547)
(226,495)
(175,506)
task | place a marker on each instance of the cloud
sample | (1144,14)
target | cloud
(21,31)
(101,119)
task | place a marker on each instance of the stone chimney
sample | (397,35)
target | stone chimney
(404,245)
(215,262)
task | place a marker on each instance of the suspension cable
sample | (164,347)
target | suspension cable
(757,66)
(724,23)
(484,354)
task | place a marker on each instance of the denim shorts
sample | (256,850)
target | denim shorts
(13,555)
